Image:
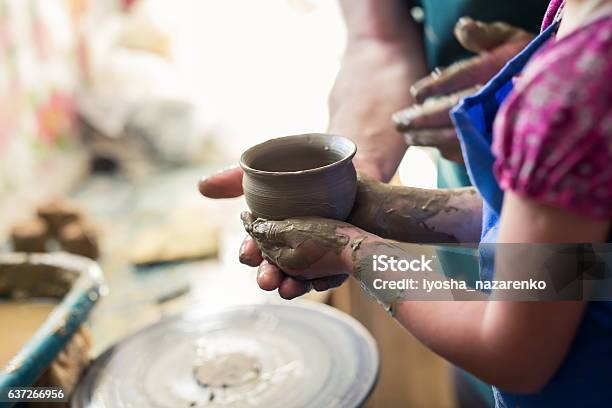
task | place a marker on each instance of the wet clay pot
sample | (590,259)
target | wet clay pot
(303,175)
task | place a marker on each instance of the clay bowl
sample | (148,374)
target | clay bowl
(302,175)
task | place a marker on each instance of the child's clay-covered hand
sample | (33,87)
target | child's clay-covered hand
(387,211)
(298,254)
(428,123)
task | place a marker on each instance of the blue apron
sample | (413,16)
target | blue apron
(585,377)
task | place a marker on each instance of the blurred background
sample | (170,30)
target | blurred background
(186,82)
(115,109)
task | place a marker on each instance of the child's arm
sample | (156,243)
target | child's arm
(516,346)
(410,214)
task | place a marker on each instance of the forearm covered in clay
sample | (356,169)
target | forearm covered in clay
(418,215)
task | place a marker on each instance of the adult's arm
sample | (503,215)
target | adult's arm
(384,57)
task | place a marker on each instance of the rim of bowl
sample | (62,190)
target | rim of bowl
(346,158)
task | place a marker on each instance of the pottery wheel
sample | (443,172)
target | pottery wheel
(271,355)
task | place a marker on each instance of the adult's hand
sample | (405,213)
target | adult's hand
(428,122)
(372,84)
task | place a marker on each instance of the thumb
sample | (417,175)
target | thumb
(478,36)
(224,184)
